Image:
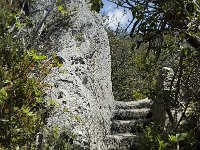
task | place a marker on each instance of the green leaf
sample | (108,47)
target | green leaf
(25,110)
(39,57)
(16,108)
(38,99)
(6,81)
(20,25)
(172,138)
(66,110)
(33,54)
(78,118)
(181,136)
(30,114)
(3,95)
(62,10)
(161,144)
(56,131)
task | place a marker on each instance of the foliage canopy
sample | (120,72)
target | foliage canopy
(166,34)
(23,107)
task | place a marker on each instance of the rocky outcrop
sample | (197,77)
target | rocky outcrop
(81,88)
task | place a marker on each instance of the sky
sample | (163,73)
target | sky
(115,15)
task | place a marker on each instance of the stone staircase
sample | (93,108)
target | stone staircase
(127,123)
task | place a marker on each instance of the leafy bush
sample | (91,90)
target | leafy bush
(23,108)
(155,139)
(133,75)
(166,34)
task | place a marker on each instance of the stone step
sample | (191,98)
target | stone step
(125,141)
(130,126)
(131,114)
(144,103)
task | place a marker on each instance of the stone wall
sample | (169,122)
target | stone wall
(82,86)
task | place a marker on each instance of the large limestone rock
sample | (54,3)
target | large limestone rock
(82,86)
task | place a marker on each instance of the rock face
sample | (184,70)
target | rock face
(82,87)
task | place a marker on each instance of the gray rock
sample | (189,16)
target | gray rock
(127,114)
(144,103)
(124,141)
(128,123)
(128,126)
(82,87)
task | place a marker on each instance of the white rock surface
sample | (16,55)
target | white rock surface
(83,84)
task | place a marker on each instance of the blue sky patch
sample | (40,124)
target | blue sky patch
(115,15)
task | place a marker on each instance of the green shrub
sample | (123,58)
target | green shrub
(23,109)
